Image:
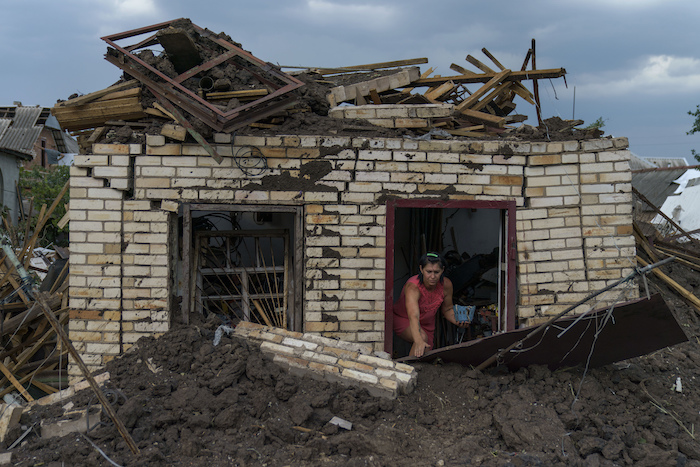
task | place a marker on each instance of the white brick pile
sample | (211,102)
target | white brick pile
(332,360)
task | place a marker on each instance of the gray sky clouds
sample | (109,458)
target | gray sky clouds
(635,63)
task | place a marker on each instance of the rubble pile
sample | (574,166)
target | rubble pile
(188,402)
(186,82)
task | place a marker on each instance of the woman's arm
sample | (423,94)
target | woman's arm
(448,309)
(411,295)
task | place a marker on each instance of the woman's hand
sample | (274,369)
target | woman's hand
(418,348)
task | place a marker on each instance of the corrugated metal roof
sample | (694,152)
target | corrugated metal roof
(668,161)
(22,131)
(657,185)
(638,163)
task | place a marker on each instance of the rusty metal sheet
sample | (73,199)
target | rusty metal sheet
(634,328)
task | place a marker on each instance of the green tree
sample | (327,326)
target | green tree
(43,186)
(694,129)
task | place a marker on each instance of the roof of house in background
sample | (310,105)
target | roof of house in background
(657,182)
(20,127)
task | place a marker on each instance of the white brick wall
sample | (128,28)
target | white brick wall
(574,220)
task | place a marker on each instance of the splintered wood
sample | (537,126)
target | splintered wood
(32,361)
(482,98)
(485,109)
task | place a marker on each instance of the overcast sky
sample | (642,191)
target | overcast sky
(635,63)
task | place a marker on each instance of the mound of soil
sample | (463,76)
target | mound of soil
(189,403)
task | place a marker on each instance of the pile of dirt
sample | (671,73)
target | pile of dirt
(187,402)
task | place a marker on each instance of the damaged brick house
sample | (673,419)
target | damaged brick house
(319,232)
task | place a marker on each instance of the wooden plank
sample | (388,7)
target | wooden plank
(440,91)
(95,114)
(527,59)
(156,113)
(423,75)
(480,65)
(461,70)
(473,99)
(176,132)
(165,111)
(15,383)
(535,87)
(80,100)
(374,95)
(370,66)
(134,92)
(483,117)
(41,298)
(238,94)
(688,296)
(461,132)
(503,87)
(519,89)
(484,77)
(96,135)
(113,108)
(493,59)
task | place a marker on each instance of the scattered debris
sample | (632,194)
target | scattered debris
(183,81)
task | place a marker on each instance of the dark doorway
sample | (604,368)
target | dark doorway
(477,239)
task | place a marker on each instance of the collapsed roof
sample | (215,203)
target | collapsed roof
(207,83)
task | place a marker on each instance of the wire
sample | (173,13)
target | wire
(249,159)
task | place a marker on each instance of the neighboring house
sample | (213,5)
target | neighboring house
(29,136)
(671,185)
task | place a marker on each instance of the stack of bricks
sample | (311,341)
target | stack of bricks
(395,115)
(332,360)
(357,91)
(573,210)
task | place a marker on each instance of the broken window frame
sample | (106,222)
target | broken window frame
(295,304)
(507,316)
(269,307)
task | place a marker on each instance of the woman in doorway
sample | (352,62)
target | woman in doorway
(421,297)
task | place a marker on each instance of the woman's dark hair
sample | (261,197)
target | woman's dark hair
(431,258)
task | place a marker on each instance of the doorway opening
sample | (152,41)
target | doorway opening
(477,241)
(242,263)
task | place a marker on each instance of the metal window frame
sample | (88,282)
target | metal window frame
(175,92)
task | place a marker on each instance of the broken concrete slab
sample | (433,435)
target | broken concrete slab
(77,421)
(9,418)
(385,83)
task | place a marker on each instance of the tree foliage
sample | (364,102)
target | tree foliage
(598,124)
(43,186)
(695,129)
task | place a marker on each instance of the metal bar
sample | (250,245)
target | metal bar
(139,31)
(671,221)
(204,66)
(207,114)
(188,126)
(187,259)
(548,323)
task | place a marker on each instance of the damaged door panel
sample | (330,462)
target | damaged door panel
(601,337)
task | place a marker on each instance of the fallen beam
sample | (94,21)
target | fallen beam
(485,77)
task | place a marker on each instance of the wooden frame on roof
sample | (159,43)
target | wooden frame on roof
(224,52)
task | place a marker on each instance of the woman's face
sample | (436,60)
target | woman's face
(431,274)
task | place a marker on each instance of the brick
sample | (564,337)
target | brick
(359,376)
